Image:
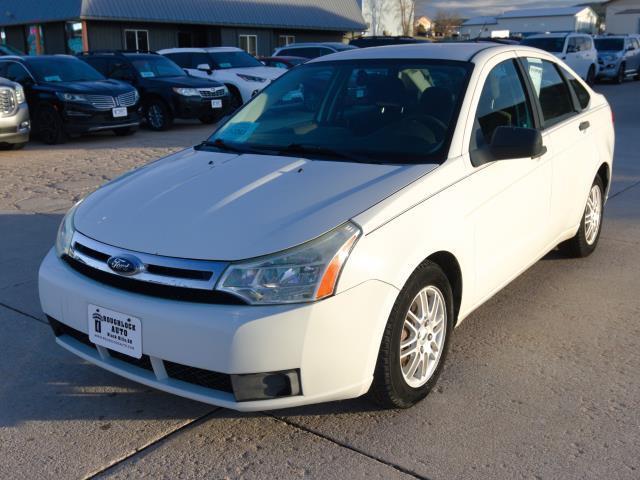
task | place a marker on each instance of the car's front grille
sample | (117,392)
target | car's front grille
(177,371)
(102,102)
(7,101)
(198,376)
(216,92)
(127,99)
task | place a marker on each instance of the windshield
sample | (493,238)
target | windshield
(609,44)
(390,111)
(62,69)
(550,44)
(224,60)
(156,67)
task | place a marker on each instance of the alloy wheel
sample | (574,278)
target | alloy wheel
(155,116)
(423,336)
(593,215)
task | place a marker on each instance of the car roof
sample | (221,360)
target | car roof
(200,50)
(461,51)
(285,58)
(316,44)
(558,35)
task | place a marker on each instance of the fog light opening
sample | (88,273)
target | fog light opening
(264,386)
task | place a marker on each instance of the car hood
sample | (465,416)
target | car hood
(100,87)
(222,206)
(269,73)
(182,82)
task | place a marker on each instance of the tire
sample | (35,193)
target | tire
(235,102)
(158,116)
(585,242)
(620,75)
(49,126)
(591,75)
(393,384)
(208,119)
(125,131)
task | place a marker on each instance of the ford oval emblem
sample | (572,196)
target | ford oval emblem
(125,264)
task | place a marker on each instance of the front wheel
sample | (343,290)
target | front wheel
(586,240)
(49,125)
(591,75)
(415,340)
(158,116)
(621,74)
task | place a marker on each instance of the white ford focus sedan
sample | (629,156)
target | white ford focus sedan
(326,240)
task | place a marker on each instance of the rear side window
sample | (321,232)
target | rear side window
(551,90)
(306,52)
(583,95)
(503,103)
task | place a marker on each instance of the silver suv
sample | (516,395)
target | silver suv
(15,125)
(619,57)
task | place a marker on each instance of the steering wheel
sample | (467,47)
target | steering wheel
(436,125)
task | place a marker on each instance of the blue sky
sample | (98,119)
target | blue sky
(470,8)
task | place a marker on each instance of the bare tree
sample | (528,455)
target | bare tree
(375,9)
(446,23)
(407,10)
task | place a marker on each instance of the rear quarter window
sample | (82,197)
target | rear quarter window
(584,98)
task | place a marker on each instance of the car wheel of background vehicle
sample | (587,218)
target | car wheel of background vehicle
(158,115)
(48,124)
(415,341)
(235,100)
(591,75)
(125,131)
(620,76)
(208,119)
(586,240)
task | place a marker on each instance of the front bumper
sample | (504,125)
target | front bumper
(16,128)
(333,344)
(608,69)
(197,107)
(81,118)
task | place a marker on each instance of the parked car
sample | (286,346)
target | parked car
(380,41)
(243,74)
(14,116)
(619,57)
(311,251)
(311,50)
(283,62)
(576,49)
(166,91)
(67,96)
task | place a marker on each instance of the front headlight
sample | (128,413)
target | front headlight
(302,274)
(65,232)
(20,98)
(72,97)
(251,78)
(187,92)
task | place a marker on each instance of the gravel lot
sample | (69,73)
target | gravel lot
(542,382)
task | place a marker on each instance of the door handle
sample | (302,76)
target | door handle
(584,126)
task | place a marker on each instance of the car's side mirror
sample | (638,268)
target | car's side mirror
(631,48)
(204,67)
(516,142)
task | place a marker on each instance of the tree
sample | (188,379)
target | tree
(446,23)
(375,9)
(407,10)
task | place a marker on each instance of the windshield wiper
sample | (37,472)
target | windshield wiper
(222,145)
(300,149)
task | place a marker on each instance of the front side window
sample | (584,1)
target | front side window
(156,67)
(62,69)
(249,43)
(392,111)
(17,73)
(224,60)
(503,103)
(551,90)
(583,95)
(609,44)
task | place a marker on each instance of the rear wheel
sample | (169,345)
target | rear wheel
(49,125)
(586,239)
(415,340)
(620,75)
(591,75)
(158,115)
(235,102)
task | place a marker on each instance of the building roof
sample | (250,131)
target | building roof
(337,15)
(544,12)
(480,21)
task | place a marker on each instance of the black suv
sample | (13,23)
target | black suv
(167,92)
(67,96)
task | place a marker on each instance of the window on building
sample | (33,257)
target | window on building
(73,32)
(185,40)
(3,36)
(284,40)
(136,40)
(551,89)
(35,40)
(249,43)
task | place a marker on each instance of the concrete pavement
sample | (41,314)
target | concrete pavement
(542,382)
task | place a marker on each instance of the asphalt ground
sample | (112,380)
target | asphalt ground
(543,381)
